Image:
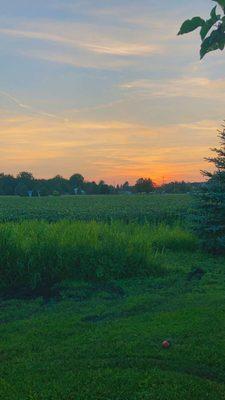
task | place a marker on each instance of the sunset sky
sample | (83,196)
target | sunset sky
(106,88)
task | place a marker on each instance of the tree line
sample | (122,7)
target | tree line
(25,184)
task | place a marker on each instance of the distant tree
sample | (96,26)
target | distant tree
(176,187)
(126,187)
(25,176)
(90,187)
(22,189)
(77,181)
(7,184)
(144,186)
(25,183)
(59,184)
(103,188)
(42,187)
(212,30)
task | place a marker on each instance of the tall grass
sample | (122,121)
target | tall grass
(35,256)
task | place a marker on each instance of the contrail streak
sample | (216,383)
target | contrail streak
(26,106)
(14,99)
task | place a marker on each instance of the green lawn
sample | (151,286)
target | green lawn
(104,342)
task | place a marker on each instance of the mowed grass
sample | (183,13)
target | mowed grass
(103,341)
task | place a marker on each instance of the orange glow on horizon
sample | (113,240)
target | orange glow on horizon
(115,151)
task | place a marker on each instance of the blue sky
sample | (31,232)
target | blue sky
(106,88)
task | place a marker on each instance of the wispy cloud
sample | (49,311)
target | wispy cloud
(81,45)
(73,59)
(142,14)
(94,42)
(197,87)
(26,107)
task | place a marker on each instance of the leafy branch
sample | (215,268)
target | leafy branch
(212,30)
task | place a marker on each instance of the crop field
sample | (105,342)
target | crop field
(152,208)
(90,287)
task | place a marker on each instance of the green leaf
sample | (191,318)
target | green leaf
(213,12)
(221,3)
(206,28)
(191,24)
(214,42)
(221,40)
(209,23)
(206,47)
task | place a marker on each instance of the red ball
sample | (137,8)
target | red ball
(166,344)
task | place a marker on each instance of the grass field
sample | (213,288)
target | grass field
(122,288)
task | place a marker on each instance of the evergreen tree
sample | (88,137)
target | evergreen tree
(210,203)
